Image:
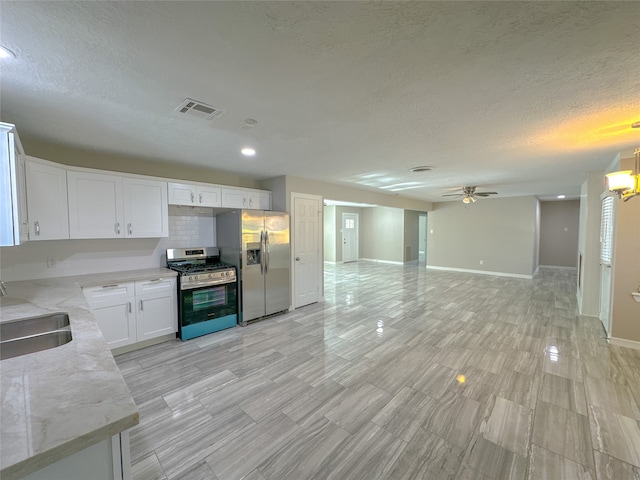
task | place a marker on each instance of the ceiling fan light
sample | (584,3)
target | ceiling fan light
(466,200)
(473,199)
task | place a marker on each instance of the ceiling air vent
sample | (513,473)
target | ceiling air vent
(199,109)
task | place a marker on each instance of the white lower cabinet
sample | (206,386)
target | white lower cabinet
(157,304)
(132,312)
(109,459)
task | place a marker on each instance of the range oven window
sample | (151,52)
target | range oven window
(207,303)
(210,297)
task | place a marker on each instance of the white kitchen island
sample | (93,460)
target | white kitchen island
(63,408)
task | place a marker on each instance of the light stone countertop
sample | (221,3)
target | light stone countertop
(59,401)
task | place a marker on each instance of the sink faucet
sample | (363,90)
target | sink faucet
(3,289)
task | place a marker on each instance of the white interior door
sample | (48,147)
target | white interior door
(606,261)
(306,236)
(350,237)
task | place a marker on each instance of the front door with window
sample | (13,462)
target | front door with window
(349,237)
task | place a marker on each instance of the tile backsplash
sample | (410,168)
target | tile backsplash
(188,227)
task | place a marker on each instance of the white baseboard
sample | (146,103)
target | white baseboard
(381,261)
(623,342)
(330,262)
(481,272)
(557,267)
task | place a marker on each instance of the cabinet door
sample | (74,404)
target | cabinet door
(117,322)
(95,205)
(232,198)
(21,182)
(259,200)
(145,208)
(47,201)
(182,194)
(157,306)
(113,307)
(209,196)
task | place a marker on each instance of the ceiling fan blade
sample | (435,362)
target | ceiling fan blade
(485,194)
(454,195)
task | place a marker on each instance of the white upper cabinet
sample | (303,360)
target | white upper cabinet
(259,199)
(46,200)
(208,196)
(14,223)
(95,205)
(246,198)
(146,212)
(111,206)
(194,195)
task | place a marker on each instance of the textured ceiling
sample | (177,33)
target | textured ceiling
(522,98)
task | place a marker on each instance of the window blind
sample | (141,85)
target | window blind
(606,231)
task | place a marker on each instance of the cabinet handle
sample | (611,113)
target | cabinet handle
(36,227)
(193,197)
(251,202)
(156,280)
(141,305)
(118,228)
(244,202)
(129,307)
(113,285)
(130,229)
(200,198)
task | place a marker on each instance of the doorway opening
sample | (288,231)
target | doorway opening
(422,239)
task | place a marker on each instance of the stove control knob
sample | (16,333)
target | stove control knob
(211,275)
(190,278)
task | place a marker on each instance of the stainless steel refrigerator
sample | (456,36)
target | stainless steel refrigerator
(257,243)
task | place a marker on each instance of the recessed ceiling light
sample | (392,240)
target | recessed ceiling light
(422,168)
(6,53)
(248,152)
(561,197)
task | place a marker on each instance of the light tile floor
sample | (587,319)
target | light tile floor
(401,373)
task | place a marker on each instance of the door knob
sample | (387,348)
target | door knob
(297,259)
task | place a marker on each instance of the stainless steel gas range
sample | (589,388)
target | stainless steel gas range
(207,291)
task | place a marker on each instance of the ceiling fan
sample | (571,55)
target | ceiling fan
(469,193)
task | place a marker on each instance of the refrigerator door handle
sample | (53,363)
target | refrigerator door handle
(266,249)
(261,252)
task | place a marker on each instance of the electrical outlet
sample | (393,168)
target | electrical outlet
(481,262)
(51,262)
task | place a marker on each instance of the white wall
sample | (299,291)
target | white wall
(188,227)
(500,232)
(588,292)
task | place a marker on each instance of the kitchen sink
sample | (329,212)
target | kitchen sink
(34,334)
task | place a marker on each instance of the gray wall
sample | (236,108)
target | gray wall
(625,322)
(499,231)
(382,234)
(559,222)
(330,233)
(411,244)
(338,192)
(141,166)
